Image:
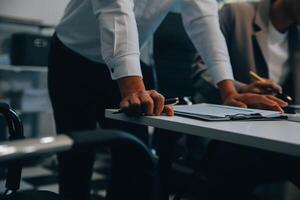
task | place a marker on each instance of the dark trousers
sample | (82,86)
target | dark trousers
(233,171)
(80,91)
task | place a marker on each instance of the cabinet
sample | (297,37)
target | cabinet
(25,89)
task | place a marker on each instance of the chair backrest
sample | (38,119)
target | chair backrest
(136,179)
(173,54)
(15,129)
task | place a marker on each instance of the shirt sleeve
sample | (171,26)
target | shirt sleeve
(201,21)
(118,37)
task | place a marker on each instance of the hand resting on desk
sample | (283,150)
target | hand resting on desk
(252,100)
(137,101)
(231,97)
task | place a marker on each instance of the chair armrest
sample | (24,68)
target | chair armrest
(20,149)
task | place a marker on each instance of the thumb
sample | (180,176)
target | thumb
(168,109)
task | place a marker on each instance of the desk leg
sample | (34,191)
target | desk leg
(165,150)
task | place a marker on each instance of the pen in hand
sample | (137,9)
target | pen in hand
(280,95)
(170,101)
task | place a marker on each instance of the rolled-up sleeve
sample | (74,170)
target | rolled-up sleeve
(118,36)
(201,21)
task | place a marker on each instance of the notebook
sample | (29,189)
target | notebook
(213,112)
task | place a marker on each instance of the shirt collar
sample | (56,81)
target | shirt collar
(276,35)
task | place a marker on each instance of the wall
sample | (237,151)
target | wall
(48,11)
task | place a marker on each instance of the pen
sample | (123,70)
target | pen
(258,78)
(170,101)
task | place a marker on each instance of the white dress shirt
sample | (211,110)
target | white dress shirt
(278,55)
(112,32)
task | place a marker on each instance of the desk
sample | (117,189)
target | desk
(277,136)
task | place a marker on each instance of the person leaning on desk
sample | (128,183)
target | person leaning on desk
(94,64)
(263,37)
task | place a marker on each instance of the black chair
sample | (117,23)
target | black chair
(137,183)
(14,167)
(15,130)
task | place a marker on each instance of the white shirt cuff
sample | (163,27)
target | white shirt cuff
(220,72)
(124,66)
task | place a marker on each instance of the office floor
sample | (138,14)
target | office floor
(43,176)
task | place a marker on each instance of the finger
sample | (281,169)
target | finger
(168,109)
(158,102)
(257,90)
(277,100)
(274,107)
(275,86)
(124,104)
(260,102)
(125,107)
(134,105)
(263,84)
(253,99)
(147,103)
(268,85)
(236,103)
(252,88)
(269,104)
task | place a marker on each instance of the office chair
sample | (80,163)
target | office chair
(142,172)
(15,130)
(14,167)
(139,183)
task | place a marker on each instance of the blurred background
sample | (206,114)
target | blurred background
(25,30)
(23,70)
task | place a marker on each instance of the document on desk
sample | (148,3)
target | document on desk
(213,112)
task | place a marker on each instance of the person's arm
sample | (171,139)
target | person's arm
(227,24)
(120,50)
(118,37)
(201,20)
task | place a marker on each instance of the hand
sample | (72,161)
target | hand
(147,102)
(261,87)
(232,98)
(259,101)
(137,101)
